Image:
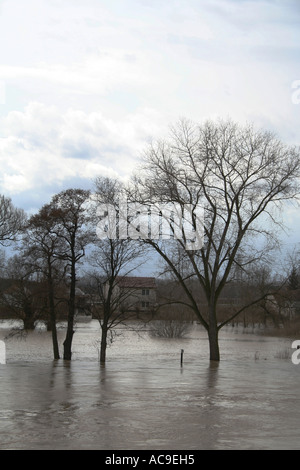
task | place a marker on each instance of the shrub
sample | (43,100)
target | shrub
(171,325)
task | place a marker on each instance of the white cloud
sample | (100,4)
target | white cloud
(88,83)
(42,147)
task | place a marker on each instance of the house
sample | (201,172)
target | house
(135,293)
(82,306)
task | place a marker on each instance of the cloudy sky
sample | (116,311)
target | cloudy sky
(85,84)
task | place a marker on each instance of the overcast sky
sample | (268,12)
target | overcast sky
(85,84)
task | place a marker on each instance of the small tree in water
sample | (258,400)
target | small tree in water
(113,258)
(69,210)
(44,248)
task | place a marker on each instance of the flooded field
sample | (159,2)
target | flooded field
(144,399)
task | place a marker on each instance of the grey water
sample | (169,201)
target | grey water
(143,398)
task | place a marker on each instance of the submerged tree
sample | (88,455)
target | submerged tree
(112,259)
(69,209)
(45,249)
(241,177)
(20,294)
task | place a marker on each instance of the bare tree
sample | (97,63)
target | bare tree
(113,259)
(44,248)
(12,220)
(115,306)
(21,295)
(241,177)
(69,209)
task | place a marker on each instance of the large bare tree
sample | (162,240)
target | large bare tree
(241,177)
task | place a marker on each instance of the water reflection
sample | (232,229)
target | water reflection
(212,374)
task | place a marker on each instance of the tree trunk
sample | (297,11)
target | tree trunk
(71,314)
(28,322)
(55,342)
(28,317)
(68,342)
(52,314)
(103,344)
(214,352)
(70,329)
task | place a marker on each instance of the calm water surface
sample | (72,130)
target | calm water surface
(144,399)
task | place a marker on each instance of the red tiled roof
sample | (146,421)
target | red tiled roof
(136,282)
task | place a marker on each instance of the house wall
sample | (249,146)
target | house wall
(142,299)
(135,297)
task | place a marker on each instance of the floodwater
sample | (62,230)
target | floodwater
(143,398)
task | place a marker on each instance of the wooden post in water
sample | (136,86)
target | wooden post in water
(181,357)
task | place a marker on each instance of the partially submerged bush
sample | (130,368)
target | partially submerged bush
(169,328)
